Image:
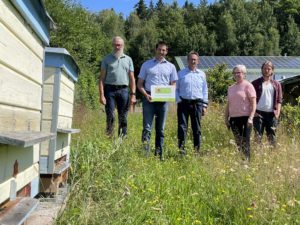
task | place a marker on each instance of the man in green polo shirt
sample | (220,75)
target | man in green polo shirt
(115,77)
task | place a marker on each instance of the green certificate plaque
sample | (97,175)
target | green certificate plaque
(163,93)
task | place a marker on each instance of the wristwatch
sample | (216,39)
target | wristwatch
(131,93)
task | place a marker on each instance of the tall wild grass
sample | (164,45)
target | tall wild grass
(112,182)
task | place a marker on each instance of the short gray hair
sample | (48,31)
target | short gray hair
(118,38)
(241,67)
(192,53)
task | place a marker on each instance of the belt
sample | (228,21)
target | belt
(192,101)
(116,87)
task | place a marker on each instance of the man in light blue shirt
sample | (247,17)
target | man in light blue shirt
(192,98)
(156,71)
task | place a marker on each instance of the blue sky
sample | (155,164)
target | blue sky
(123,6)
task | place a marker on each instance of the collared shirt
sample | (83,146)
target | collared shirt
(117,69)
(154,72)
(192,85)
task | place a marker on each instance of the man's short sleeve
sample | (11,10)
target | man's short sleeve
(142,73)
(174,76)
(131,67)
(104,64)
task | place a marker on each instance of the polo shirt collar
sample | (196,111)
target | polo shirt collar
(122,56)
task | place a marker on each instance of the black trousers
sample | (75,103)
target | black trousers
(186,109)
(265,121)
(241,132)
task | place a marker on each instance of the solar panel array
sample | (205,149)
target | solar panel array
(285,66)
(251,62)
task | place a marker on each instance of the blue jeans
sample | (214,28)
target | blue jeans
(186,109)
(116,96)
(158,110)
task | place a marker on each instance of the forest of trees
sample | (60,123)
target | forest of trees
(225,27)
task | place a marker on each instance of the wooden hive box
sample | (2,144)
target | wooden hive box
(61,72)
(24,33)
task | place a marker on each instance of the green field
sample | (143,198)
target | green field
(113,183)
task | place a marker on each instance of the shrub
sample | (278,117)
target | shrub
(218,78)
(291,116)
(87,90)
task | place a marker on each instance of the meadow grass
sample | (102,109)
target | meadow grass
(112,182)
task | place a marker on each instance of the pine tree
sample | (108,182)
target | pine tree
(141,9)
(159,5)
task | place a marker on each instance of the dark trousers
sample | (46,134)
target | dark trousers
(186,109)
(116,96)
(241,133)
(265,121)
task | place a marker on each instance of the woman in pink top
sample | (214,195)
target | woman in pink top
(240,109)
